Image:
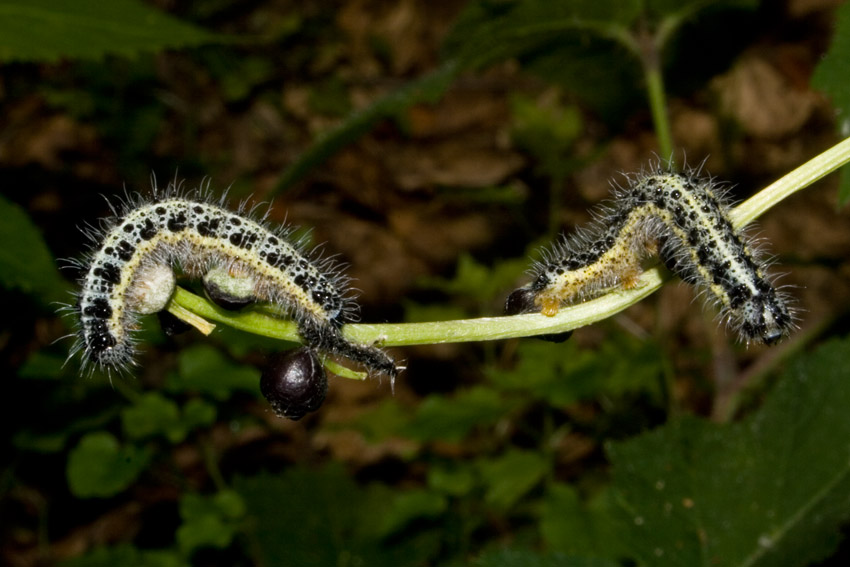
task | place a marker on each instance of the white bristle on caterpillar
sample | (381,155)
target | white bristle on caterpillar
(131,271)
(684,219)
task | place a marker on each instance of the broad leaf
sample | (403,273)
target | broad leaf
(773,490)
(209,521)
(528,558)
(320,517)
(451,419)
(204,369)
(27,265)
(512,475)
(99,466)
(49,30)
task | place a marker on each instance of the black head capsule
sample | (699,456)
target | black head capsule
(294,383)
(520,301)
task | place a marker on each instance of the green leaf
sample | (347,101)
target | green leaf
(43,366)
(404,507)
(209,521)
(473,280)
(153,414)
(307,516)
(564,374)
(319,517)
(528,558)
(49,30)
(451,419)
(28,265)
(773,490)
(198,413)
(204,369)
(547,131)
(577,528)
(454,479)
(99,466)
(510,476)
(127,556)
(492,31)
(385,420)
(830,76)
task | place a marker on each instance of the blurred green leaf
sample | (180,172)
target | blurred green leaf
(198,413)
(564,374)
(578,528)
(307,516)
(49,30)
(830,76)
(247,73)
(204,369)
(474,280)
(406,506)
(585,46)
(127,556)
(772,490)
(510,476)
(153,414)
(547,131)
(43,366)
(528,558)
(27,266)
(451,419)
(209,521)
(487,31)
(320,517)
(99,466)
(385,420)
(454,479)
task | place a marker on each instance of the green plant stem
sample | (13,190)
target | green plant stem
(495,328)
(658,107)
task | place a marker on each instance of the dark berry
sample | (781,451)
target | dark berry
(294,383)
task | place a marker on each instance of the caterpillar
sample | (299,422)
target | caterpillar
(130,271)
(684,219)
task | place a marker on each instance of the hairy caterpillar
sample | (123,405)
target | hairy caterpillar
(130,271)
(682,218)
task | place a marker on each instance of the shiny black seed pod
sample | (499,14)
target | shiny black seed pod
(522,301)
(294,383)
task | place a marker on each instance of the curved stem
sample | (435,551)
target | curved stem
(494,328)
(658,107)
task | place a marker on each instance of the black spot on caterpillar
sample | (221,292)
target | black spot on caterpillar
(685,220)
(130,271)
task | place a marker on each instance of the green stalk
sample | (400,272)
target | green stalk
(658,107)
(496,328)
